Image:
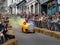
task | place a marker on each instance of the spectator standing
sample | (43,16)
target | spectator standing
(44,19)
(58,23)
(6,22)
(40,21)
(1,32)
(36,20)
(1,27)
(49,19)
(54,21)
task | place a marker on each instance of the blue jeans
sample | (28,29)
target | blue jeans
(36,23)
(54,27)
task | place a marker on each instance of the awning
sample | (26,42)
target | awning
(21,3)
(43,1)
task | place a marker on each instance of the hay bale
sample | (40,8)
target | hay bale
(9,26)
(11,42)
(37,29)
(48,32)
(57,35)
(10,32)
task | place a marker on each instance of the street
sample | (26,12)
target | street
(37,16)
(34,39)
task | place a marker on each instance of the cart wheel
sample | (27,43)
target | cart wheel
(33,31)
(22,29)
(26,30)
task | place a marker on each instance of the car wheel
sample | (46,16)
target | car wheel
(33,31)
(26,30)
(22,30)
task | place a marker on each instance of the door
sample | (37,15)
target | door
(44,8)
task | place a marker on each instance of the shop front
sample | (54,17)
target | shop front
(43,4)
(58,5)
(51,7)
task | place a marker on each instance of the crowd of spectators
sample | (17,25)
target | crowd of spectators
(4,21)
(50,22)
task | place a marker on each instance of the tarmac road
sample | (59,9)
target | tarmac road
(33,39)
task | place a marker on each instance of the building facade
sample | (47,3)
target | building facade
(32,6)
(17,6)
(21,6)
(13,7)
(3,6)
(58,5)
(50,6)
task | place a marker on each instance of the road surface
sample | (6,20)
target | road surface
(32,39)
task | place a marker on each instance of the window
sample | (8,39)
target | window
(58,1)
(12,1)
(32,9)
(59,8)
(43,1)
(51,10)
(36,8)
(17,0)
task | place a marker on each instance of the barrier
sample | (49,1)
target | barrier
(48,32)
(57,35)
(11,42)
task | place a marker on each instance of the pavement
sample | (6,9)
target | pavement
(33,39)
